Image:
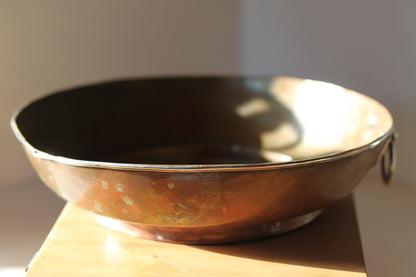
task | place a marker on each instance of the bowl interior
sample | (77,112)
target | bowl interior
(202,121)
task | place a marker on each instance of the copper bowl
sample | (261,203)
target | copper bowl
(205,160)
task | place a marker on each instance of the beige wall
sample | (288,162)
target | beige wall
(49,45)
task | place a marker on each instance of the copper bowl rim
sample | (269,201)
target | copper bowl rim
(195,167)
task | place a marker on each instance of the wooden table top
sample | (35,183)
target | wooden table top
(78,246)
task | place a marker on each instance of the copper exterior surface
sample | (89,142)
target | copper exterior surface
(259,171)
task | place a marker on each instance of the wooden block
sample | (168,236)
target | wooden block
(78,246)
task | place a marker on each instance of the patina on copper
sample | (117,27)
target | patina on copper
(205,159)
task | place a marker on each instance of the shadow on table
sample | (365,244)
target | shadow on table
(332,241)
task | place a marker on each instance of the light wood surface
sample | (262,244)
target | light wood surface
(78,246)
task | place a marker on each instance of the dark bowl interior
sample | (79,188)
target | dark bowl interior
(202,121)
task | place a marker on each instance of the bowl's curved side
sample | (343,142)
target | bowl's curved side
(211,200)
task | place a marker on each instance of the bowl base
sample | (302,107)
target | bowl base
(207,235)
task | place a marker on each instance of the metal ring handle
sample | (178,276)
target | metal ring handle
(388,160)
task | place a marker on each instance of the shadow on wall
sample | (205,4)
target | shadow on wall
(27,213)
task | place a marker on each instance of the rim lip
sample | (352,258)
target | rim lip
(193,167)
